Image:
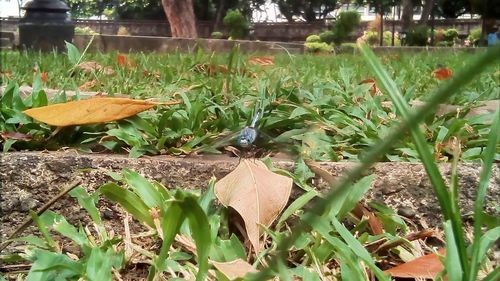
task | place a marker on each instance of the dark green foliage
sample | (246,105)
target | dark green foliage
(313,38)
(237,24)
(310,11)
(346,22)
(327,36)
(450,35)
(417,36)
(216,35)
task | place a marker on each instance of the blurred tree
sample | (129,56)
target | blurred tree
(381,7)
(86,9)
(309,10)
(180,15)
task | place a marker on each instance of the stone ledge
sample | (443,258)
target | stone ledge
(29,179)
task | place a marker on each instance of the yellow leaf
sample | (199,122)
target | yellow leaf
(256,193)
(90,111)
(234,269)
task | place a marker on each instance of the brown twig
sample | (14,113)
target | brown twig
(44,208)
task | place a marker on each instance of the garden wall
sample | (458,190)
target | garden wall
(108,43)
(261,31)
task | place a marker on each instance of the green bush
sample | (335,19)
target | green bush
(318,47)
(313,39)
(417,36)
(372,38)
(328,37)
(475,35)
(237,24)
(450,35)
(444,44)
(346,22)
(216,35)
(85,31)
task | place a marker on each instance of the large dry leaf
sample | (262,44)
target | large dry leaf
(264,61)
(90,111)
(256,193)
(89,66)
(427,266)
(234,269)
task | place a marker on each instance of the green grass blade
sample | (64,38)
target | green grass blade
(452,262)
(446,90)
(493,276)
(200,229)
(449,207)
(142,187)
(484,178)
(358,249)
(129,201)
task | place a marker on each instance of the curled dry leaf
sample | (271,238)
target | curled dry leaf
(370,81)
(234,269)
(124,61)
(88,85)
(442,73)
(256,193)
(89,66)
(15,136)
(91,111)
(44,76)
(427,266)
(261,61)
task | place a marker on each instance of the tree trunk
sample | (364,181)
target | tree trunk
(407,17)
(426,11)
(218,15)
(181,18)
(381,32)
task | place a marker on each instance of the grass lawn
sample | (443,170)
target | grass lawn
(314,105)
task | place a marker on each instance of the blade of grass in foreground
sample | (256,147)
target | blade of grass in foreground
(446,201)
(484,179)
(476,66)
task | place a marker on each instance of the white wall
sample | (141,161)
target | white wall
(10,8)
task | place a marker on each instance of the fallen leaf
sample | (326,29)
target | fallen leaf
(7,74)
(256,193)
(375,224)
(261,61)
(234,269)
(155,74)
(15,136)
(89,66)
(88,85)
(124,61)
(90,111)
(427,266)
(211,69)
(44,76)
(374,89)
(442,73)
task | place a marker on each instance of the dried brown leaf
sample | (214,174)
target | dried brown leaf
(90,111)
(234,269)
(256,193)
(426,266)
(89,66)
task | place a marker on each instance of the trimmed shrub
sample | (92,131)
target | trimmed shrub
(328,37)
(313,39)
(318,47)
(371,38)
(236,23)
(216,35)
(346,22)
(417,36)
(85,31)
(450,35)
